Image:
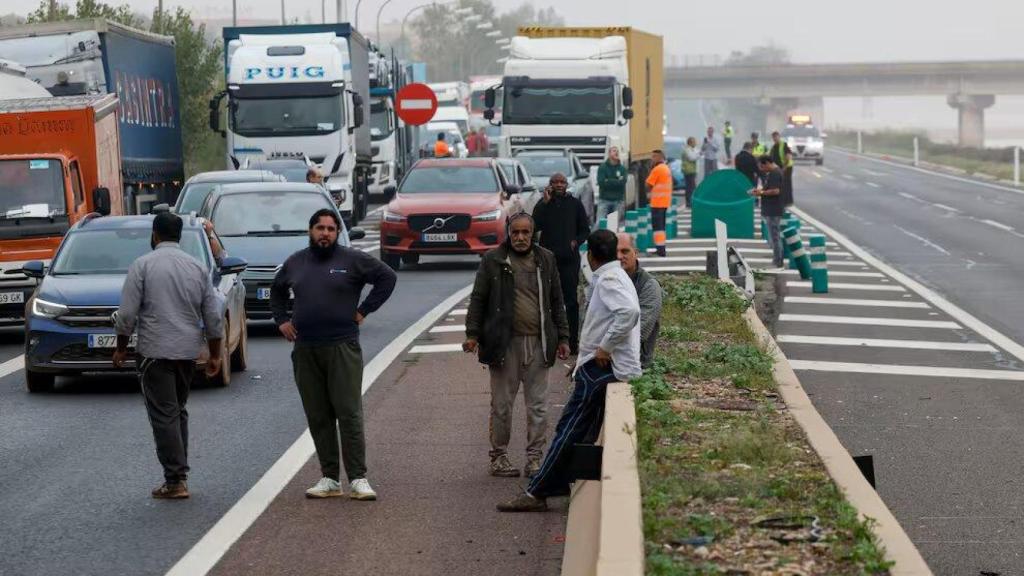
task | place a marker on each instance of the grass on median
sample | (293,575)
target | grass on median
(718,453)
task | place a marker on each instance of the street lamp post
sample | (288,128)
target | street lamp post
(379,12)
(358,2)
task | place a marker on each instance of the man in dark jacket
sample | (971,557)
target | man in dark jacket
(516,323)
(563,226)
(611,183)
(746,163)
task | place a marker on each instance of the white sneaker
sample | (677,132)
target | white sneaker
(360,489)
(325,488)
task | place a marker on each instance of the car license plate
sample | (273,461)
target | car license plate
(263,293)
(449,237)
(110,340)
(12,298)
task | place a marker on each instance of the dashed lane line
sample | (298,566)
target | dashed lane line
(448,328)
(923,240)
(885,343)
(946,208)
(826,170)
(11,366)
(904,370)
(866,321)
(871,303)
(998,225)
(435,348)
(851,286)
(873,185)
(458,312)
(848,177)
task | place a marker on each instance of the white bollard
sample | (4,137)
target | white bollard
(860,142)
(1016,165)
(917,152)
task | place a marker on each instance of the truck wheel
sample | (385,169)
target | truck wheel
(394,261)
(39,381)
(240,357)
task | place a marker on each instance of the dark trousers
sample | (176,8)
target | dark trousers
(787,186)
(658,216)
(569,276)
(581,420)
(691,185)
(165,387)
(330,381)
(710,166)
(728,147)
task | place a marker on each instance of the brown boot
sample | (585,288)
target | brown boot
(524,503)
(501,467)
(171,491)
(532,466)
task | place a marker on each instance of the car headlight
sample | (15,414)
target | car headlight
(393,217)
(46,309)
(488,216)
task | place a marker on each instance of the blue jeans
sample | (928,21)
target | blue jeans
(606,207)
(774,223)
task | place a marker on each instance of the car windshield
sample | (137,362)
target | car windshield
(544,166)
(801,132)
(292,116)
(31,188)
(266,212)
(559,105)
(112,251)
(673,148)
(193,196)
(450,179)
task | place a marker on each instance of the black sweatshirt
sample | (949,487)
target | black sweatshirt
(327,293)
(561,221)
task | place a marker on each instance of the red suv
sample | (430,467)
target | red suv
(445,206)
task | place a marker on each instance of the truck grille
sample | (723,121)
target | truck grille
(454,222)
(591,150)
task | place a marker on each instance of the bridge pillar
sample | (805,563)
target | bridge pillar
(971,109)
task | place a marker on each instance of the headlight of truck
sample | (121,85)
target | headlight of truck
(393,217)
(338,192)
(46,309)
(488,216)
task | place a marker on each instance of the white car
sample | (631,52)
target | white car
(452,135)
(453,114)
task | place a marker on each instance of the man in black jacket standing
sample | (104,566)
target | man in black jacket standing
(327,280)
(563,226)
(746,163)
(516,322)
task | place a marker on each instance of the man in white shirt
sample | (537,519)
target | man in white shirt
(609,352)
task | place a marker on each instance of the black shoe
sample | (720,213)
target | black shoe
(169,491)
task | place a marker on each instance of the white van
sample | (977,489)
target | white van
(458,115)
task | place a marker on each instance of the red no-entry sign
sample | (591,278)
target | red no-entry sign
(416,104)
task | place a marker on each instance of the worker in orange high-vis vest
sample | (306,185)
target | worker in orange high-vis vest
(441,149)
(659,191)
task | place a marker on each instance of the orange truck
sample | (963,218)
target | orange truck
(59,159)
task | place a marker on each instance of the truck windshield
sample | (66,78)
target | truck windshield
(292,116)
(32,188)
(559,105)
(379,126)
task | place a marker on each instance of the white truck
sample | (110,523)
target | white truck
(301,91)
(585,90)
(14,84)
(384,125)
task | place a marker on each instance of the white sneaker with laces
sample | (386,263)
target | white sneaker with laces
(325,488)
(360,489)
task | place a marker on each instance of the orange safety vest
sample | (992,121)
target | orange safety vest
(441,149)
(660,181)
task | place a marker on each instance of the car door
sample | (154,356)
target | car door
(232,292)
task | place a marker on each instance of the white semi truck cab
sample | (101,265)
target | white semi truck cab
(301,92)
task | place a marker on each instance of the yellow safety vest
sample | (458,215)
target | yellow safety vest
(759,150)
(786,163)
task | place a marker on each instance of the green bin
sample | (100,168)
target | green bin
(723,196)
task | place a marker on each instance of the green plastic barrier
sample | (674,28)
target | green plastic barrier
(723,196)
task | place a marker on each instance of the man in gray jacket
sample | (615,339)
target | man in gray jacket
(649,291)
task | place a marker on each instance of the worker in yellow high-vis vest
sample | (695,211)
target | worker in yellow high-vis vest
(659,191)
(756,147)
(727,136)
(782,156)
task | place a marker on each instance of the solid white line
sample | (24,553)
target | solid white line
(432,348)
(900,322)
(999,225)
(11,366)
(840,274)
(845,286)
(940,175)
(944,207)
(883,343)
(965,318)
(855,302)
(448,328)
(873,185)
(902,370)
(205,554)
(458,312)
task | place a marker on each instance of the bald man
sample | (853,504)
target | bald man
(648,290)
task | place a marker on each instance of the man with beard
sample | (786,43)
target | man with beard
(327,280)
(516,322)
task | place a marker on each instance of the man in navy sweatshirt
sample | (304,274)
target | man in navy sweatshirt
(327,280)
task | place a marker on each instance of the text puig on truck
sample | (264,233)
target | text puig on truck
(59,160)
(301,91)
(82,57)
(582,89)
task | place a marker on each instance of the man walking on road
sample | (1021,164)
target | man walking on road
(327,280)
(169,298)
(690,156)
(709,150)
(727,135)
(609,352)
(771,207)
(782,157)
(648,290)
(563,226)
(659,192)
(611,184)
(516,322)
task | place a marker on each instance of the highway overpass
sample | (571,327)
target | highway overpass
(970,87)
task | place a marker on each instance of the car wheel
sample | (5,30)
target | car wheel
(411,259)
(392,260)
(240,357)
(223,378)
(39,381)
(819,161)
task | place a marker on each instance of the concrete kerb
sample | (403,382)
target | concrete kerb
(840,465)
(604,535)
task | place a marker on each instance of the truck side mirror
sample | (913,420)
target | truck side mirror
(101,200)
(488,114)
(627,113)
(357,116)
(390,191)
(215,113)
(489,98)
(627,97)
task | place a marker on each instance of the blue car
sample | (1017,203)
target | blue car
(68,324)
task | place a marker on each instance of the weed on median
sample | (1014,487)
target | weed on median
(729,482)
